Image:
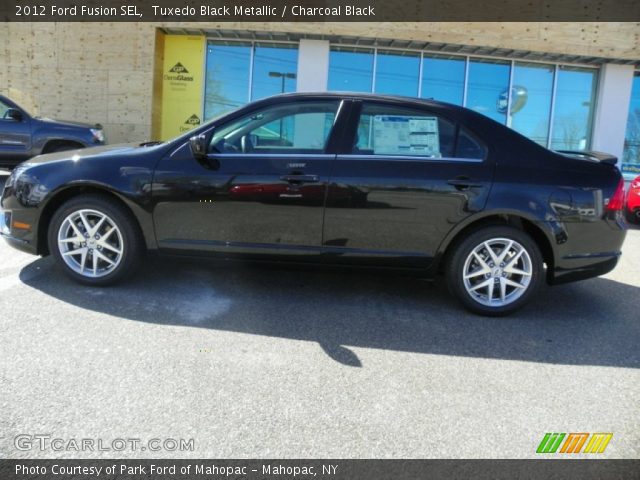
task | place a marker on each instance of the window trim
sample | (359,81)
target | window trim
(409,158)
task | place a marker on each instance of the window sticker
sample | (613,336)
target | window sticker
(404,135)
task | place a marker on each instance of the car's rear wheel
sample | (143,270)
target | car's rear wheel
(95,240)
(495,270)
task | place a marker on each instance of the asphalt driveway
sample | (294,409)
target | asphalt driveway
(262,362)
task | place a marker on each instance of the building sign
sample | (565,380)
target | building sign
(182,71)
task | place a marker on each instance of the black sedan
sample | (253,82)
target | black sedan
(342,179)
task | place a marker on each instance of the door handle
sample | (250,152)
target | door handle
(463,183)
(299,178)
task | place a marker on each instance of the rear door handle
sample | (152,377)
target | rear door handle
(463,183)
(299,178)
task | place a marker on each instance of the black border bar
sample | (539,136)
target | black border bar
(321,11)
(566,469)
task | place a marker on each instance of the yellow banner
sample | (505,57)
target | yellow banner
(182,71)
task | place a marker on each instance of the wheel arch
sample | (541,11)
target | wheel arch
(71,191)
(522,222)
(52,143)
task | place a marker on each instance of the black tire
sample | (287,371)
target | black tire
(462,250)
(133,246)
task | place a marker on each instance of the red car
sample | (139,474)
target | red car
(633,201)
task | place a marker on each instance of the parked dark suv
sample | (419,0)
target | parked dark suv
(23,136)
(332,178)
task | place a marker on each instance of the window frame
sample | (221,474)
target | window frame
(331,142)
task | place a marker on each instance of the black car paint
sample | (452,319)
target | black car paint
(411,214)
(31,136)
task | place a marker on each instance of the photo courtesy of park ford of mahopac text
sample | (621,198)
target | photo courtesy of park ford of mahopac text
(319,239)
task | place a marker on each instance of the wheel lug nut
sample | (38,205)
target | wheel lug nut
(502,265)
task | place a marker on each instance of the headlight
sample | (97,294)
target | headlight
(15,173)
(98,134)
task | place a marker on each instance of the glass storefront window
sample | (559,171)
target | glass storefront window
(274,69)
(229,83)
(631,155)
(487,85)
(227,77)
(397,73)
(350,69)
(238,72)
(574,104)
(443,78)
(531,92)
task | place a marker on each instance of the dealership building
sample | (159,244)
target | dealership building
(572,86)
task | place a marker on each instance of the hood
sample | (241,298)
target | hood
(93,153)
(69,123)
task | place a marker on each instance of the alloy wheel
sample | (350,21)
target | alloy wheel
(497,272)
(90,243)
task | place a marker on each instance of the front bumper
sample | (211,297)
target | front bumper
(21,244)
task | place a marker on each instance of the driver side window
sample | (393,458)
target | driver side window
(296,128)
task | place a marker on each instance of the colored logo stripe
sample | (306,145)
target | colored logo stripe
(550,443)
(574,442)
(598,442)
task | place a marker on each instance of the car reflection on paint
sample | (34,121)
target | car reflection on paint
(341,195)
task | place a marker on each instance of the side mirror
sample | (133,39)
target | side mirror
(198,144)
(13,114)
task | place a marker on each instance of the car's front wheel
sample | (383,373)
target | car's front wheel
(95,240)
(495,270)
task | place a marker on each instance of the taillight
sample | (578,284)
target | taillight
(617,200)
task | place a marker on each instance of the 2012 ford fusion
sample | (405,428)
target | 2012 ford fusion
(342,179)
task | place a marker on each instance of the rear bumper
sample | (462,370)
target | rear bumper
(580,267)
(589,249)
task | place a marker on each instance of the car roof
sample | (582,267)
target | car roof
(368,96)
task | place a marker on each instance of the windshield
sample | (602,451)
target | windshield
(4,106)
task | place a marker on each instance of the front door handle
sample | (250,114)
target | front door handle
(463,183)
(299,178)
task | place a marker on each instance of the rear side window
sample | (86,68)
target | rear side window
(468,146)
(396,131)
